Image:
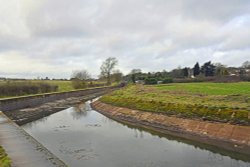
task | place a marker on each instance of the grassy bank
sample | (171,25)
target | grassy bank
(223,102)
(62,85)
(4,159)
(32,87)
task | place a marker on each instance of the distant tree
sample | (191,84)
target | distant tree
(196,69)
(165,73)
(79,79)
(134,74)
(246,64)
(185,72)
(106,68)
(177,73)
(135,71)
(150,81)
(81,75)
(208,69)
(220,69)
(117,76)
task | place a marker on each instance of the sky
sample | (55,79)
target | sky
(52,38)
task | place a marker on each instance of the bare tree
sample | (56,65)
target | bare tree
(81,75)
(246,64)
(79,78)
(107,66)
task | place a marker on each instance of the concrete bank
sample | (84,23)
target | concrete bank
(10,104)
(23,149)
(229,137)
(30,114)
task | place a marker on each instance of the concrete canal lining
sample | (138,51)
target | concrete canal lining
(23,149)
(234,138)
(16,103)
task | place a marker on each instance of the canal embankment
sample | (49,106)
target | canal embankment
(222,135)
(23,149)
(29,108)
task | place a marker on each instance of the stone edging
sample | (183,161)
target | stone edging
(23,149)
(229,137)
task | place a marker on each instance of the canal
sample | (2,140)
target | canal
(81,137)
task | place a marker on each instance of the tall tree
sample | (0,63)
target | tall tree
(208,69)
(246,64)
(177,73)
(196,69)
(107,66)
(134,74)
(185,72)
(220,69)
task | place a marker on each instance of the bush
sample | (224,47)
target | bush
(150,81)
(167,80)
(4,159)
(91,84)
(79,84)
(20,88)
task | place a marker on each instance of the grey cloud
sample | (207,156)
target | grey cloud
(62,35)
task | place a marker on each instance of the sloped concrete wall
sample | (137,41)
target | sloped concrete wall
(34,100)
(230,137)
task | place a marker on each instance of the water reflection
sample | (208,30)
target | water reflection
(83,137)
(215,151)
(80,110)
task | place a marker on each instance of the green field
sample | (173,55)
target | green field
(63,86)
(224,102)
(4,159)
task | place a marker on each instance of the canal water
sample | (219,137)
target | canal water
(83,137)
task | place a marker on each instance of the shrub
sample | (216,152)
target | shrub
(25,88)
(4,159)
(79,84)
(167,80)
(150,81)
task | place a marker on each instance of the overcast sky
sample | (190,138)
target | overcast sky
(54,37)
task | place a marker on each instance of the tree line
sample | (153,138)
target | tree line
(109,74)
(207,72)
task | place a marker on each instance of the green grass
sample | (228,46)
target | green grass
(4,159)
(224,102)
(63,86)
(242,88)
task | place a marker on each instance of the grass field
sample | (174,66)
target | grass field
(4,159)
(224,102)
(63,86)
